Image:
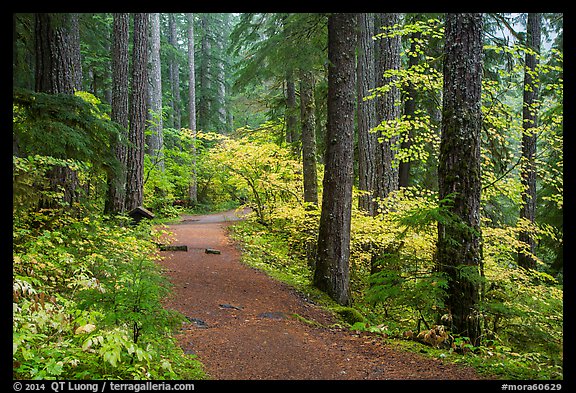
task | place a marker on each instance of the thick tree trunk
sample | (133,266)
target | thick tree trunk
(307,109)
(459,248)
(54,75)
(54,68)
(529,137)
(120,79)
(367,141)
(332,263)
(138,110)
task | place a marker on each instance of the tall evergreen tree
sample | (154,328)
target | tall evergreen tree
(138,111)
(459,249)
(155,140)
(332,273)
(120,81)
(367,141)
(75,47)
(193,191)
(387,105)
(205,104)
(529,136)
(307,109)
(55,74)
(174,72)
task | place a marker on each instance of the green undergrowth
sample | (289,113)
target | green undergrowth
(281,248)
(87,300)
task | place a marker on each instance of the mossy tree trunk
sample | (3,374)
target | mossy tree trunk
(459,247)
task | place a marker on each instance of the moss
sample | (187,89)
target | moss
(349,315)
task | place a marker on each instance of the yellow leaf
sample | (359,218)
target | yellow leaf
(88,328)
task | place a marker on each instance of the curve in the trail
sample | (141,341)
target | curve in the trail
(242,324)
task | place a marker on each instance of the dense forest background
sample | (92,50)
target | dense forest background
(202,112)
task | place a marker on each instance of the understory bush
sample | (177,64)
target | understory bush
(397,289)
(87,296)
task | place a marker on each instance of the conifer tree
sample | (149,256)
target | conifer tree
(529,137)
(332,274)
(138,111)
(120,80)
(459,250)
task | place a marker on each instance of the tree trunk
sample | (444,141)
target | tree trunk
(529,136)
(193,191)
(459,249)
(54,75)
(409,111)
(135,155)
(54,68)
(387,108)
(307,109)
(120,69)
(155,140)
(205,100)
(174,74)
(291,119)
(332,263)
(75,45)
(367,140)
(221,74)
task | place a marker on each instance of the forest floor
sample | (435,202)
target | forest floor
(241,323)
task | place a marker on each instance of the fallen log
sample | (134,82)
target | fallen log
(164,247)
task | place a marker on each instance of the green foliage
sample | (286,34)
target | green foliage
(63,126)
(87,301)
(260,171)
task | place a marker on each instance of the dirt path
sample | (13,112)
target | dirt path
(241,322)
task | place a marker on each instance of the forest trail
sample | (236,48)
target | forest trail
(242,325)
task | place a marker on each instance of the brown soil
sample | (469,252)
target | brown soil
(242,324)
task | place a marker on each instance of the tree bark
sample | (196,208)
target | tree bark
(54,68)
(409,111)
(459,249)
(193,191)
(367,141)
(155,140)
(387,108)
(291,119)
(174,74)
(332,263)
(138,110)
(75,46)
(120,80)
(205,100)
(529,138)
(54,74)
(221,74)
(307,109)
